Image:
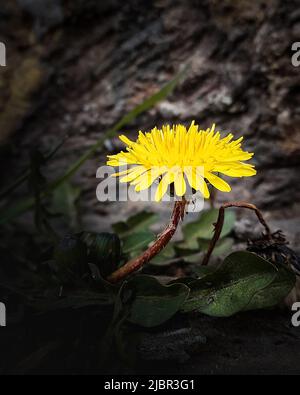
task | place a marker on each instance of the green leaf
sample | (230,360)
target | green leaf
(203,271)
(222,247)
(139,221)
(183,251)
(165,256)
(182,280)
(137,242)
(232,286)
(273,294)
(153,303)
(193,258)
(203,228)
(229,221)
(104,250)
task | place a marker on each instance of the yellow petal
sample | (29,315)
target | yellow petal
(145,180)
(176,147)
(126,140)
(240,172)
(134,173)
(235,169)
(218,183)
(179,181)
(204,189)
(121,173)
(163,186)
(199,183)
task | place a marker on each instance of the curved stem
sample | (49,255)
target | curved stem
(220,222)
(160,243)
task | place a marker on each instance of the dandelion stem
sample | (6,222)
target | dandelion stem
(160,243)
(220,222)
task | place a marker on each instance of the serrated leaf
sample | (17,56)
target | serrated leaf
(232,286)
(153,303)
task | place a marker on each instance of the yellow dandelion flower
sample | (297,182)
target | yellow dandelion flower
(183,157)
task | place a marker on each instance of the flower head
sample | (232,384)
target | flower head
(179,155)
